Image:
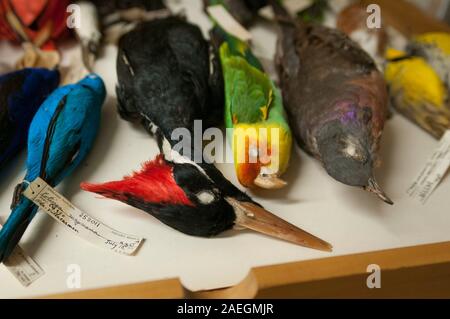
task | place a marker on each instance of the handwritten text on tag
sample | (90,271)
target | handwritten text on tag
(23,267)
(433,172)
(78,222)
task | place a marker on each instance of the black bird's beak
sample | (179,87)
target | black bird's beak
(254,217)
(374,188)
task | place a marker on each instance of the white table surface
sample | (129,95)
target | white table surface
(350,219)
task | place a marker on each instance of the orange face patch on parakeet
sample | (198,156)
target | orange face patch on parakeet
(259,154)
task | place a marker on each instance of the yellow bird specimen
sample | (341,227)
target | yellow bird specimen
(419,81)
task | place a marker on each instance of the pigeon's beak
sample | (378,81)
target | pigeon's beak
(254,217)
(373,187)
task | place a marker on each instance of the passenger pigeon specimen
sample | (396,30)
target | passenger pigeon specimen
(335,97)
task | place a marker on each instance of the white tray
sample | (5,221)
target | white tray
(350,219)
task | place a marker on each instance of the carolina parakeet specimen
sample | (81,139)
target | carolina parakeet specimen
(61,135)
(166,82)
(419,84)
(21,94)
(261,138)
(335,97)
(244,11)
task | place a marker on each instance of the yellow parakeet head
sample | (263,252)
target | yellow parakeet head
(261,154)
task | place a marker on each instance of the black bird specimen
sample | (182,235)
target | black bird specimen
(335,97)
(165,81)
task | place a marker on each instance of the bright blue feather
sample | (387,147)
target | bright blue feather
(61,135)
(21,94)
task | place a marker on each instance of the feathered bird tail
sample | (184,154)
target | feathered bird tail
(15,227)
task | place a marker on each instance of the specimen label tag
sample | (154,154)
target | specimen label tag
(228,23)
(23,267)
(78,222)
(433,172)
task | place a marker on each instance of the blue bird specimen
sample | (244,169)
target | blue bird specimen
(21,94)
(61,135)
